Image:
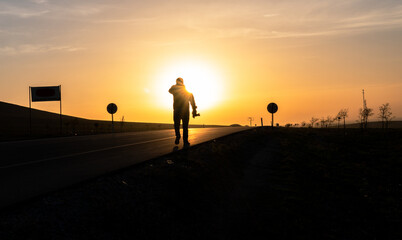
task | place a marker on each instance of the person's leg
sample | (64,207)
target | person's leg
(186,119)
(176,119)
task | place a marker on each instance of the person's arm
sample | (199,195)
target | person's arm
(193,106)
(192,102)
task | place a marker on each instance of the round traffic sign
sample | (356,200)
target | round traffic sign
(272,108)
(111,108)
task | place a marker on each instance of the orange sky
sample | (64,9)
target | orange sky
(310,57)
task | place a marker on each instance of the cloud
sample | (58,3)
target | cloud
(256,33)
(259,20)
(39,1)
(81,10)
(271,15)
(379,19)
(132,20)
(22,13)
(37,8)
(311,19)
(33,49)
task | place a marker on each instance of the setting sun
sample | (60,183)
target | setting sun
(201,79)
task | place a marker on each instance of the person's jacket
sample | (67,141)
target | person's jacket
(181,99)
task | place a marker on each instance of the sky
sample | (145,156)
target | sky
(311,57)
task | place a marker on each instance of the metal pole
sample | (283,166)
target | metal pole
(272,123)
(262,124)
(30,112)
(61,123)
(112,124)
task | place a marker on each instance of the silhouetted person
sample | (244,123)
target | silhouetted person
(181,109)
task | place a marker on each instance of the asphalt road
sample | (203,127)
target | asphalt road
(34,167)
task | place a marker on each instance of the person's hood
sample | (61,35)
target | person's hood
(177,87)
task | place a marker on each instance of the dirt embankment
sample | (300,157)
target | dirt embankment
(18,123)
(258,184)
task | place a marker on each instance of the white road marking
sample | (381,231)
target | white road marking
(82,153)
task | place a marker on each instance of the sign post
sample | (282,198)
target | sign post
(30,113)
(43,94)
(251,119)
(112,109)
(61,122)
(272,108)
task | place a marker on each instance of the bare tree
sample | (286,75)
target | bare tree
(323,122)
(343,113)
(337,118)
(364,114)
(313,120)
(329,121)
(385,114)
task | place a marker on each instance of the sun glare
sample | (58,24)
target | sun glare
(199,78)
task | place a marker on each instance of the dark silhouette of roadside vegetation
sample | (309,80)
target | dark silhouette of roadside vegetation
(364,114)
(313,120)
(343,113)
(385,115)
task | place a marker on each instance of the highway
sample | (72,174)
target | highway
(34,167)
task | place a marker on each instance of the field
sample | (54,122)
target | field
(257,184)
